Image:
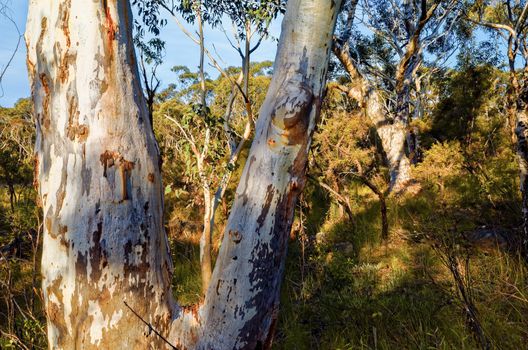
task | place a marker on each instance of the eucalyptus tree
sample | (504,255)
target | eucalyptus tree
(16,137)
(106,266)
(509,20)
(407,39)
(249,19)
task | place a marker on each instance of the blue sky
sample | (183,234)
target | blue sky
(179,51)
(15,83)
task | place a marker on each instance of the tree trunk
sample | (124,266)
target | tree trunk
(522,154)
(206,264)
(393,141)
(242,301)
(392,136)
(391,133)
(12,196)
(99,179)
(517,106)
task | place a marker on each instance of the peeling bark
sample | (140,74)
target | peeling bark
(522,154)
(242,301)
(98,179)
(517,107)
(392,133)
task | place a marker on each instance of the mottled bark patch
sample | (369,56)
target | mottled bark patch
(74,130)
(78,131)
(45,120)
(64,10)
(111,27)
(98,259)
(136,256)
(36,169)
(126,168)
(244,194)
(64,68)
(236,236)
(61,194)
(291,113)
(265,209)
(107,160)
(55,311)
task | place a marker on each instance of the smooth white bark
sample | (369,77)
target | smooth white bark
(242,301)
(392,135)
(99,178)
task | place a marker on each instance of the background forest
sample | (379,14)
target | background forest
(435,261)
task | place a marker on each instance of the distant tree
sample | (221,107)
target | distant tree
(16,142)
(463,93)
(408,38)
(509,20)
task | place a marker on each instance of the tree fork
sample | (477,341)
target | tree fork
(100,186)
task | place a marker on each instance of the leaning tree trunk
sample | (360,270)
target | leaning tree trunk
(521,131)
(99,179)
(242,301)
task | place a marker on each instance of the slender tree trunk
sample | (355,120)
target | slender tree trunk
(342,201)
(522,155)
(383,204)
(12,196)
(212,202)
(241,303)
(98,179)
(206,240)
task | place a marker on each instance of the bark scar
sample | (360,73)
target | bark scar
(111,28)
(291,115)
(109,159)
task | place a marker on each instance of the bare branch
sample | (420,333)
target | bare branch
(150,327)
(4,12)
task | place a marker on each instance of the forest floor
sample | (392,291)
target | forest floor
(346,287)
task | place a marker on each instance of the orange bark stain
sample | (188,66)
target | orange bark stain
(64,10)
(36,164)
(45,104)
(111,28)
